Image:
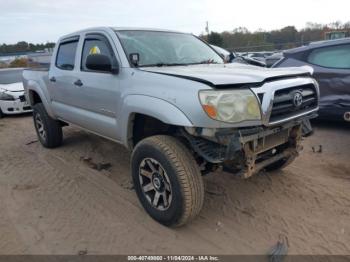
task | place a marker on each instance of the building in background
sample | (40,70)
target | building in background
(332,34)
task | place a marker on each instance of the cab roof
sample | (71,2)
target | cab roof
(105,28)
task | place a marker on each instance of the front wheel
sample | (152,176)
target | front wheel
(167,180)
(49,131)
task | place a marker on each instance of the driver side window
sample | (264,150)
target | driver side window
(95,45)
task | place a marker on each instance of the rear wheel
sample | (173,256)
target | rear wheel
(49,131)
(167,180)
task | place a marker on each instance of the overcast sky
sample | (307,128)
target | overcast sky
(45,20)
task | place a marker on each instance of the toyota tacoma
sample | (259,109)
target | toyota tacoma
(181,110)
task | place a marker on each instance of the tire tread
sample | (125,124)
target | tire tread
(53,128)
(188,173)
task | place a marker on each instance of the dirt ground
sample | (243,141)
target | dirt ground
(56,202)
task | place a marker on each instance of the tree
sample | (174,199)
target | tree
(215,39)
(23,47)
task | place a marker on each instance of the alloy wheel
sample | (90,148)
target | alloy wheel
(155,184)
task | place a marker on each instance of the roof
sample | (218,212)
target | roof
(144,29)
(106,28)
(317,44)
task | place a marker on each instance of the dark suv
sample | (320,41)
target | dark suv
(331,63)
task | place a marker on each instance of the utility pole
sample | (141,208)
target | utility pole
(207,28)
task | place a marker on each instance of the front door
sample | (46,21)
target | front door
(97,92)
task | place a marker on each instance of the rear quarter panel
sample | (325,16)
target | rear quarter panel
(37,81)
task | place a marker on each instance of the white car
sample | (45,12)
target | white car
(12,98)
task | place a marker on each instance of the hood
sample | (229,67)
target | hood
(221,75)
(15,87)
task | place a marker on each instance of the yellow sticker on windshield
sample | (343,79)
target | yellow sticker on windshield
(94,50)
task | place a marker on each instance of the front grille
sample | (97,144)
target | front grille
(284,106)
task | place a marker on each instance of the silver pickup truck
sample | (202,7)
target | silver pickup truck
(173,101)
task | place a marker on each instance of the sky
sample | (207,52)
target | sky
(39,21)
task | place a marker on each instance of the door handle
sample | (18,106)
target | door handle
(78,83)
(53,79)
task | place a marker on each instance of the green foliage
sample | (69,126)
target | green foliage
(242,40)
(19,62)
(215,39)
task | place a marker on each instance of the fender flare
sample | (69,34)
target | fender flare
(151,106)
(33,86)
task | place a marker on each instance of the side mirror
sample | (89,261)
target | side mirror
(102,63)
(134,58)
(227,58)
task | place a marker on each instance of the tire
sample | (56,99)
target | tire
(49,131)
(180,182)
(280,164)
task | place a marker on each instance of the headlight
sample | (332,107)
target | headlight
(4,96)
(230,106)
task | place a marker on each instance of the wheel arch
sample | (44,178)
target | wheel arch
(161,111)
(35,95)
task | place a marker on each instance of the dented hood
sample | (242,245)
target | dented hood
(220,75)
(15,87)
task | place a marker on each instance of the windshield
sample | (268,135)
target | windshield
(10,76)
(166,48)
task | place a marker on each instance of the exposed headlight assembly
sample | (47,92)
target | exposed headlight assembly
(5,96)
(230,106)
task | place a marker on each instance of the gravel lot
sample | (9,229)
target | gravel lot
(56,202)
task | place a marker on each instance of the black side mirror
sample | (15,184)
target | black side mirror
(134,58)
(102,63)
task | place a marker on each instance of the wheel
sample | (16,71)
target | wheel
(49,131)
(167,180)
(280,164)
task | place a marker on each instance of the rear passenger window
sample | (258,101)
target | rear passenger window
(66,55)
(331,57)
(98,45)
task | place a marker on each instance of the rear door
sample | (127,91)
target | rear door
(62,76)
(332,71)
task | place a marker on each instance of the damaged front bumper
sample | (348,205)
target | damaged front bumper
(247,151)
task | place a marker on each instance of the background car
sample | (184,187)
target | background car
(232,57)
(12,99)
(331,63)
(274,58)
(260,56)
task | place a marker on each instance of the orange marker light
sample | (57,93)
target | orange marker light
(211,111)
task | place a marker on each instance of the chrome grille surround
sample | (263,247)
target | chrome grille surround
(278,94)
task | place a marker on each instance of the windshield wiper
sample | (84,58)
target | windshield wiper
(161,64)
(207,61)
